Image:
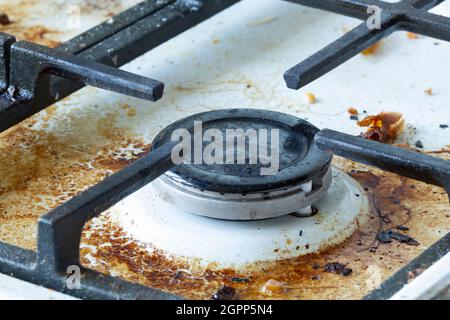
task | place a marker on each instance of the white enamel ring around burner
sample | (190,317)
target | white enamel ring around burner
(147,218)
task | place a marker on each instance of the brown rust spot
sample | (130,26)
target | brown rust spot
(19,13)
(37,34)
(366,178)
(42,168)
(116,254)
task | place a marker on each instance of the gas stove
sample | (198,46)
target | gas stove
(91,187)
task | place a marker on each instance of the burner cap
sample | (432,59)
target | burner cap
(300,160)
(236,185)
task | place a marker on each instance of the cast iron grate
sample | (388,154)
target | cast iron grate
(33,77)
(410,15)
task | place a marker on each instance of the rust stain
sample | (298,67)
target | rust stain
(366,178)
(18,13)
(41,169)
(37,33)
(396,200)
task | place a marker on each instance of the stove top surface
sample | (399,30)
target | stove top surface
(88,136)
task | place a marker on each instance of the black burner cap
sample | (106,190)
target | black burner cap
(299,158)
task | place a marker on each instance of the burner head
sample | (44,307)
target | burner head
(301,172)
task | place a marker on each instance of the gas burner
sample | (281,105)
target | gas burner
(203,242)
(239,191)
(179,205)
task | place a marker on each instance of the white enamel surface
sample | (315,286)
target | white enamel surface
(230,243)
(15,289)
(210,67)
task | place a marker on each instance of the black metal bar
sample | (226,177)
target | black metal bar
(59,231)
(352,8)
(428,24)
(29,62)
(5,44)
(338,52)
(400,161)
(76,68)
(98,286)
(14,260)
(358,8)
(112,26)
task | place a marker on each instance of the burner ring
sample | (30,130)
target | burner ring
(295,200)
(300,159)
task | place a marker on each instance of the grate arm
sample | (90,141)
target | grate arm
(338,52)
(428,24)
(29,60)
(423,4)
(59,231)
(396,160)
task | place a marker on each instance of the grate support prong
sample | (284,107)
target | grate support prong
(408,15)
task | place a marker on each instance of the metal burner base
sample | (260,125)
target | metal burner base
(240,244)
(253,206)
